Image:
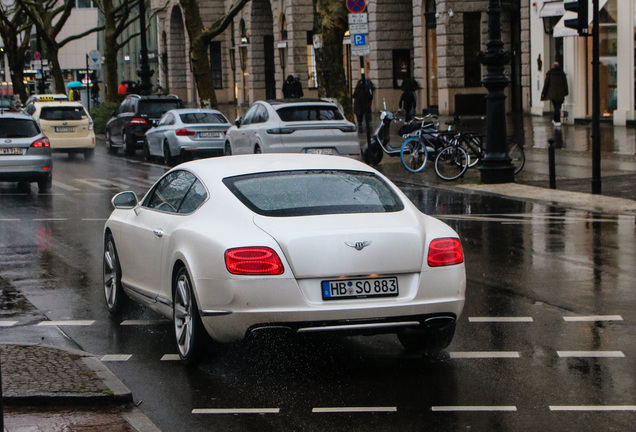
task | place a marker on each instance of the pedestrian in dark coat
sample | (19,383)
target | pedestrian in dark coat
(359,107)
(555,89)
(408,101)
(288,87)
(298,87)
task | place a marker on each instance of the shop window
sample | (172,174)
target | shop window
(472,47)
(216,64)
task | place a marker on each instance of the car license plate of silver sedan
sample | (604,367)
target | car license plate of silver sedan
(338,289)
(11,150)
(323,151)
(209,134)
(64,129)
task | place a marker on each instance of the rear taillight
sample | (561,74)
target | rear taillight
(444,252)
(183,132)
(253,261)
(42,142)
(138,121)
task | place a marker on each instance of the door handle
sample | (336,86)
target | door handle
(158,232)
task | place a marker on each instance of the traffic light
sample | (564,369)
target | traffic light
(580,23)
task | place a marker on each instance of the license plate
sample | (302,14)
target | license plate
(209,134)
(64,129)
(11,150)
(323,151)
(359,288)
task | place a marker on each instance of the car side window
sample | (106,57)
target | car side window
(168,119)
(249,117)
(261,115)
(170,191)
(30,109)
(194,198)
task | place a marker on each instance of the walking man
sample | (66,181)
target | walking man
(555,89)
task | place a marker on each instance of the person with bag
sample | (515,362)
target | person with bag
(555,89)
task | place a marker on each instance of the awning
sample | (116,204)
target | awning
(552,9)
(560,30)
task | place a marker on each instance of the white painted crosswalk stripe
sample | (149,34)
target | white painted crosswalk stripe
(589,318)
(483,354)
(500,319)
(143,322)
(116,357)
(66,323)
(353,409)
(5,323)
(593,408)
(170,357)
(601,354)
(460,408)
(236,411)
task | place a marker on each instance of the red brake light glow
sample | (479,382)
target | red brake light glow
(183,132)
(444,252)
(42,142)
(138,121)
(253,261)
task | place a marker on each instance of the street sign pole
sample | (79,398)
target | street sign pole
(596,102)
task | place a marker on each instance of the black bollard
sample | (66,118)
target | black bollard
(551,167)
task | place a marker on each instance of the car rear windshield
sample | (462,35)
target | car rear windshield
(18,128)
(309,112)
(197,118)
(314,192)
(156,108)
(63,113)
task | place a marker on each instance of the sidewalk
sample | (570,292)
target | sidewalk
(52,389)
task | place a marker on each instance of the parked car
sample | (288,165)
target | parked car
(240,245)
(133,118)
(25,152)
(67,125)
(293,126)
(7,105)
(184,133)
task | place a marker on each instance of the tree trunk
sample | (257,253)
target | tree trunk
(202,73)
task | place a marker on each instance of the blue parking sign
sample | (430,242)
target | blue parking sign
(359,39)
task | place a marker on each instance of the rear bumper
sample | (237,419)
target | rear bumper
(31,168)
(66,143)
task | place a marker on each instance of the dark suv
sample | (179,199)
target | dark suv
(133,118)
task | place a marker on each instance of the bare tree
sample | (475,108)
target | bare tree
(49,17)
(15,25)
(330,22)
(200,38)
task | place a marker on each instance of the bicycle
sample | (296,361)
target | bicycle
(451,161)
(421,137)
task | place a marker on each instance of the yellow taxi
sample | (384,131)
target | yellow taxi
(67,125)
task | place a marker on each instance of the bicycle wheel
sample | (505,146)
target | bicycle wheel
(451,162)
(413,155)
(473,146)
(518,156)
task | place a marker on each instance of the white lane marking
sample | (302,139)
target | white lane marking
(170,357)
(136,181)
(143,322)
(592,407)
(67,323)
(5,323)
(484,354)
(236,411)
(353,409)
(95,219)
(10,220)
(500,319)
(116,357)
(583,318)
(603,354)
(65,186)
(474,408)
(49,219)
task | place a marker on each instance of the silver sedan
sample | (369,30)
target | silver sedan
(182,134)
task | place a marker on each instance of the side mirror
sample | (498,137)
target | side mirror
(125,200)
(238,122)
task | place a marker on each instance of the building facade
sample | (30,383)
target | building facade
(436,42)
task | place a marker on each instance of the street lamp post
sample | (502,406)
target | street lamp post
(144,71)
(496,166)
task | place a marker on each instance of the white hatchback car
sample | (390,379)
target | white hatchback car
(239,245)
(293,126)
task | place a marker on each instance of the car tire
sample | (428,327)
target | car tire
(188,327)
(89,154)
(129,150)
(116,299)
(109,143)
(257,149)
(430,341)
(146,151)
(45,183)
(228,149)
(168,159)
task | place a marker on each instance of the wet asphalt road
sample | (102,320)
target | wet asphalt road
(546,340)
